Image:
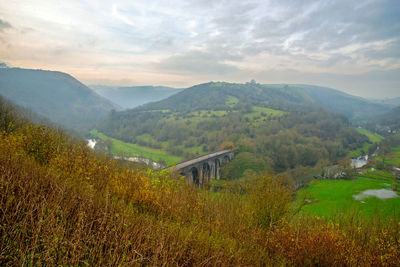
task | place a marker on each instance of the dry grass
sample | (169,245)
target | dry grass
(63,205)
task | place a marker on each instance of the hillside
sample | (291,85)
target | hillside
(355,108)
(214,96)
(390,120)
(280,96)
(278,126)
(55,95)
(133,96)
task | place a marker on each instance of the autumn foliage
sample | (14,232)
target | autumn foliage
(62,204)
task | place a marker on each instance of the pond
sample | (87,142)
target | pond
(378,193)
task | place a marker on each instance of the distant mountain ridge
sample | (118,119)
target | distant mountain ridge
(393,102)
(55,95)
(133,96)
(214,95)
(354,107)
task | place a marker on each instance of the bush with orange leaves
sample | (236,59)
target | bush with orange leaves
(315,241)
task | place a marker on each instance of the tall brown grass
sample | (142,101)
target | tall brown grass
(61,204)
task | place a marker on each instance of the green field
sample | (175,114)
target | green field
(261,113)
(120,148)
(329,198)
(373,138)
(195,116)
(232,101)
(393,158)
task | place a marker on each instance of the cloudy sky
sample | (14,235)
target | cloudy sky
(349,45)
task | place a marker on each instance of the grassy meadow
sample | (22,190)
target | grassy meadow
(393,158)
(260,113)
(373,138)
(330,198)
(120,148)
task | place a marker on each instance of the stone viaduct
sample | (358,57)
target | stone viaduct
(201,170)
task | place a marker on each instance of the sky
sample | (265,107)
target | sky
(350,45)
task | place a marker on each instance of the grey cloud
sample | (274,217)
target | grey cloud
(390,51)
(249,28)
(326,26)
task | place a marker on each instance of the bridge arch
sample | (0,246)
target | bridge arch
(206,172)
(217,172)
(226,159)
(195,177)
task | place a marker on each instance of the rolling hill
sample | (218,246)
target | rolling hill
(133,96)
(213,95)
(353,107)
(55,95)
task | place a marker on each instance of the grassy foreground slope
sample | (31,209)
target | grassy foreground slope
(61,204)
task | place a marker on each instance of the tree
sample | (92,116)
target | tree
(227,145)
(242,162)
(270,198)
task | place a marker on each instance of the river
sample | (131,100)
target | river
(155,165)
(359,162)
